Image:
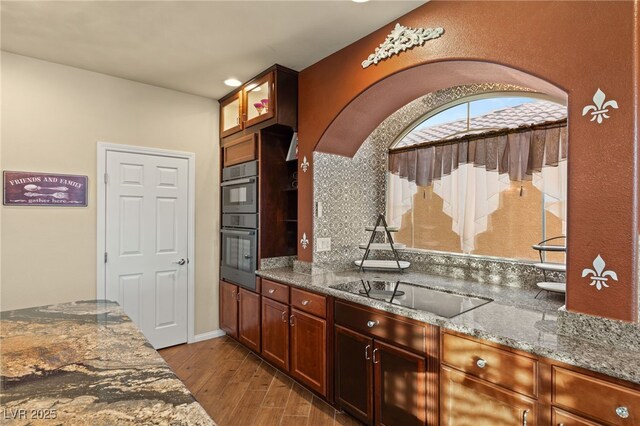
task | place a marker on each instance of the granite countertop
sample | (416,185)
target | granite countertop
(86,363)
(513,319)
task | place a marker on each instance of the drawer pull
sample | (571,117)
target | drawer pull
(374,356)
(292,322)
(481,363)
(524,417)
(272,290)
(371,323)
(305,302)
(366,352)
(622,412)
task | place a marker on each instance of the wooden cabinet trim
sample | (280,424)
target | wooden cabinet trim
(229,309)
(560,417)
(268,78)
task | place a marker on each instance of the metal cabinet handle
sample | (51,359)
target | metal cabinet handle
(238,296)
(366,352)
(291,321)
(524,417)
(272,290)
(305,302)
(375,361)
(481,363)
(284,316)
(233,294)
(371,323)
(622,412)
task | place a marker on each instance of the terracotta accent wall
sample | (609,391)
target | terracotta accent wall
(565,49)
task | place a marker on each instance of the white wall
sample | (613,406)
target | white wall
(52,118)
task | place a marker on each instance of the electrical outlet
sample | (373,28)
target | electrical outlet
(323,244)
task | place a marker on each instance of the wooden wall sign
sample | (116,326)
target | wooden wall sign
(44,189)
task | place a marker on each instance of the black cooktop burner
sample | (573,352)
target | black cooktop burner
(413,296)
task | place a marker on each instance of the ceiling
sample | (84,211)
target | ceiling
(190,46)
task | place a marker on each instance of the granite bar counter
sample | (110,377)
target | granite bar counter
(86,363)
(514,319)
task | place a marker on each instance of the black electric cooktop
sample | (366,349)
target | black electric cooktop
(412,296)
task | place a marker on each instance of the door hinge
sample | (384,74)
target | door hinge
(105,257)
(106,178)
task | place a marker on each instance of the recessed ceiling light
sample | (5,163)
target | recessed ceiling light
(233,82)
(359,1)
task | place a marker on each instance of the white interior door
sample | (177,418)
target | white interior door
(147,242)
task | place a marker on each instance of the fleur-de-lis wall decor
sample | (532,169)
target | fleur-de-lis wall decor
(599,276)
(304,241)
(305,164)
(600,109)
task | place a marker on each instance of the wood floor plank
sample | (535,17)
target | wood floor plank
(299,402)
(263,377)
(238,388)
(293,421)
(268,416)
(247,409)
(278,393)
(321,414)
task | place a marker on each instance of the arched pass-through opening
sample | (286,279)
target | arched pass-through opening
(366,111)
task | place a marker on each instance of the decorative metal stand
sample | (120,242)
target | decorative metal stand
(396,264)
(546,285)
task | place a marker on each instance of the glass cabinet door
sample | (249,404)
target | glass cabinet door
(230,115)
(259,100)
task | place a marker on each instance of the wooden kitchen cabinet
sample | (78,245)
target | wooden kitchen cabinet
(309,350)
(240,150)
(354,373)
(468,401)
(229,309)
(269,98)
(240,314)
(275,333)
(249,319)
(231,114)
(400,386)
(377,380)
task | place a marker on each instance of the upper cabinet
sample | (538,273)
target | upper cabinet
(269,98)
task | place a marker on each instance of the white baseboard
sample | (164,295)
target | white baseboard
(209,335)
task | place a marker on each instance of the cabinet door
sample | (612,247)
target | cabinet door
(259,100)
(354,373)
(240,150)
(467,401)
(400,386)
(229,309)
(562,418)
(249,319)
(309,350)
(231,115)
(275,333)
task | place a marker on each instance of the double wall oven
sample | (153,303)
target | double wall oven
(240,224)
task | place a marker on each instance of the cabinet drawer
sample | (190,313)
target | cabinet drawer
(375,323)
(240,150)
(596,398)
(506,369)
(275,291)
(566,419)
(309,302)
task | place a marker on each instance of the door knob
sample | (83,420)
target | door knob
(181,262)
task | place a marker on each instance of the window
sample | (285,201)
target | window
(483,176)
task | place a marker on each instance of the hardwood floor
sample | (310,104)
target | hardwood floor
(237,388)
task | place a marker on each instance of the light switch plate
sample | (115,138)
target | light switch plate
(323,244)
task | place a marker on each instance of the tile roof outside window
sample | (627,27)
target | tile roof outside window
(507,118)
